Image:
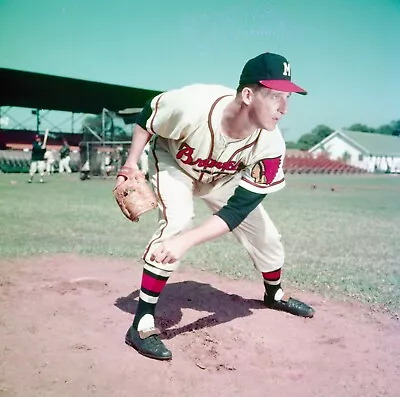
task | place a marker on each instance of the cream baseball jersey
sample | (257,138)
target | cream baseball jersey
(187,122)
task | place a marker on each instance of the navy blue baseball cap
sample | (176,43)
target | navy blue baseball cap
(272,71)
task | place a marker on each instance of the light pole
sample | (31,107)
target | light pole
(37,113)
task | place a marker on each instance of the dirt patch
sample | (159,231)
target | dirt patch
(63,319)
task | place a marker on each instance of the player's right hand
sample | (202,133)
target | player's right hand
(171,250)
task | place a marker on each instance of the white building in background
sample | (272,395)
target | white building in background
(372,152)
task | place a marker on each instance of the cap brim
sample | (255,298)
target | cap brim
(283,85)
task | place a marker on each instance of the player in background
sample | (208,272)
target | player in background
(50,160)
(225,147)
(65,158)
(38,163)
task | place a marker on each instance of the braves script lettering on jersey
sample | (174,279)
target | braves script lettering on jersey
(188,124)
(185,154)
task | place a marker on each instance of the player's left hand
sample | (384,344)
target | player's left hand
(170,250)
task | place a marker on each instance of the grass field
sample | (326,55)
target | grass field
(342,243)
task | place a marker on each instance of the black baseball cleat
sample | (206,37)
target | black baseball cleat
(148,343)
(290,305)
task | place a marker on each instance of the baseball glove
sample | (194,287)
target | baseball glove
(134,196)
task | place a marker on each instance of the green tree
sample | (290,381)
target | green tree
(322,131)
(361,128)
(291,145)
(393,128)
(396,127)
(307,141)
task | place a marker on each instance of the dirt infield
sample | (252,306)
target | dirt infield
(63,320)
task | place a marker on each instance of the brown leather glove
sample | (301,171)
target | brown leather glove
(134,196)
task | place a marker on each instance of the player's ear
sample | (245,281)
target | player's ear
(247,95)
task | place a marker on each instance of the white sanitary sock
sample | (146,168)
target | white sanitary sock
(146,322)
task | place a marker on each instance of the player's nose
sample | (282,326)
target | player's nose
(283,106)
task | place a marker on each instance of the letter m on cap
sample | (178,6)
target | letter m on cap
(286,69)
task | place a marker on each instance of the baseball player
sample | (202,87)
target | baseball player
(50,160)
(224,146)
(65,158)
(38,163)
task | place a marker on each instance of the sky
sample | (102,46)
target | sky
(345,53)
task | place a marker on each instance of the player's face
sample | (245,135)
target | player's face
(267,107)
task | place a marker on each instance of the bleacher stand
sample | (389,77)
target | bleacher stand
(14,161)
(303,163)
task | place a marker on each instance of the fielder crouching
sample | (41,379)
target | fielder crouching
(225,147)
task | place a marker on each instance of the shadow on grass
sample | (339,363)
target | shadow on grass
(197,296)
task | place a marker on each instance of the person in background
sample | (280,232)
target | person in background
(65,158)
(38,163)
(84,161)
(50,160)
